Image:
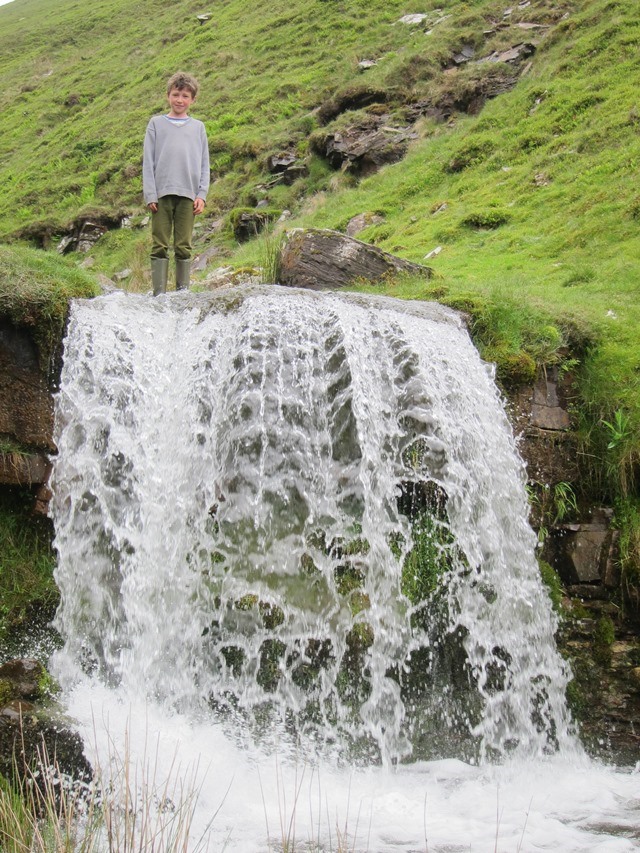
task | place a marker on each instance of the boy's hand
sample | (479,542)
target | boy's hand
(153,206)
(198,206)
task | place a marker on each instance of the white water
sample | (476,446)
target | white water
(276,430)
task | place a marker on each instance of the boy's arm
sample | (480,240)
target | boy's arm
(203,184)
(148,173)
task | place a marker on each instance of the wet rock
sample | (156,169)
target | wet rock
(42,498)
(321,259)
(22,678)
(31,727)
(541,421)
(26,405)
(29,734)
(581,552)
(546,410)
(23,469)
(587,592)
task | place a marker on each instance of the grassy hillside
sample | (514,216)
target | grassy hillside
(524,173)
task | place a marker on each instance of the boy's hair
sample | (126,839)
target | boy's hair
(180,80)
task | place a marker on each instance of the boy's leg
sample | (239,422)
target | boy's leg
(182,234)
(162,226)
(183,219)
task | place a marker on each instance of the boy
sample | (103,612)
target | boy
(175,180)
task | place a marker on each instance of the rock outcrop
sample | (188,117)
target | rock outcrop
(321,259)
(26,407)
(26,413)
(32,729)
(365,147)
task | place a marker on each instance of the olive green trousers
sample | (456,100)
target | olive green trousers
(174,216)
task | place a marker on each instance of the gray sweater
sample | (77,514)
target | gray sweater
(176,159)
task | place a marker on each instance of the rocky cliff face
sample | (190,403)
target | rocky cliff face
(26,412)
(597,636)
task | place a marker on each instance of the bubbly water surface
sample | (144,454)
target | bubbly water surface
(226,464)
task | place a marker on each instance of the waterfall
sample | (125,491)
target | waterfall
(277,508)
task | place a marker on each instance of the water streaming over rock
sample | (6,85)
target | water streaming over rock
(304,510)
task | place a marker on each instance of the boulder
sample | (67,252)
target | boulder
(321,259)
(363,220)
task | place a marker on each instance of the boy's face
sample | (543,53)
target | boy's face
(180,101)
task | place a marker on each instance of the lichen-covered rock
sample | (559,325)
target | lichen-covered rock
(320,259)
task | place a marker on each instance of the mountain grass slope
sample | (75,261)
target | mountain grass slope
(524,172)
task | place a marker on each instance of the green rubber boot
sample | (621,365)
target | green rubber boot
(159,275)
(183,274)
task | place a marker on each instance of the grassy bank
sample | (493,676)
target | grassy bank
(35,288)
(27,587)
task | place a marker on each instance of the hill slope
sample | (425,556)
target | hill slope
(522,125)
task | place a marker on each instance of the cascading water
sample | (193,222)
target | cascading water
(301,513)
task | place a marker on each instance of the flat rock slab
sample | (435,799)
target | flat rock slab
(328,260)
(20,469)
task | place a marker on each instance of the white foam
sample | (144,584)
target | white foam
(553,804)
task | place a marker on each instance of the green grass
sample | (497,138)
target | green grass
(26,560)
(35,288)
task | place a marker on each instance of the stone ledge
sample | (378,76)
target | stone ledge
(24,469)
